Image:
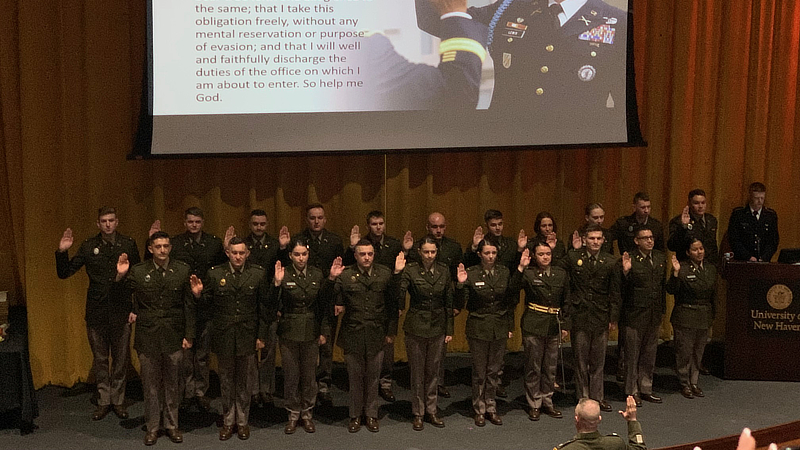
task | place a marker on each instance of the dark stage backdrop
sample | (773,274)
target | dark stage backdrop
(717,87)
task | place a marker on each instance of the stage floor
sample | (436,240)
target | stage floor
(65,423)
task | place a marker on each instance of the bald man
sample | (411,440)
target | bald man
(449,253)
(587,420)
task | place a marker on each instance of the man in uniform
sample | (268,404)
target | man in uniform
(163,309)
(324,247)
(643,307)
(386,250)
(593,311)
(107,312)
(265,251)
(237,293)
(449,254)
(365,293)
(753,229)
(587,420)
(694,222)
(624,229)
(556,63)
(201,251)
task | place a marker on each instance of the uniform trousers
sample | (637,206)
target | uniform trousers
(195,363)
(111,354)
(266,366)
(235,385)
(487,360)
(363,373)
(161,383)
(325,366)
(387,365)
(541,361)
(690,343)
(299,361)
(424,361)
(589,347)
(640,358)
(441,366)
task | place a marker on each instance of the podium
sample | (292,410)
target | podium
(762,323)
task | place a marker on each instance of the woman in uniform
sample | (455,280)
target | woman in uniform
(545,228)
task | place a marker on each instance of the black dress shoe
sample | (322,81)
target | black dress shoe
(243,432)
(652,398)
(175,435)
(686,391)
(308,426)
(372,424)
(534,414)
(150,438)
(480,420)
(101,412)
(387,395)
(435,420)
(552,412)
(290,427)
(120,411)
(697,391)
(638,400)
(417,424)
(355,424)
(494,418)
(225,432)
(443,392)
(605,406)
(501,391)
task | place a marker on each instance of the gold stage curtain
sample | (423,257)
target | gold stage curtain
(717,89)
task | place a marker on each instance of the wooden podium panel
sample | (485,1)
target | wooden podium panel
(762,324)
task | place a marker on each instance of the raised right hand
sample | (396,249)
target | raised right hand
(685,218)
(676,266)
(477,237)
(279,273)
(66,240)
(577,242)
(122,266)
(525,259)
(522,240)
(197,286)
(154,228)
(626,263)
(461,273)
(336,268)
(630,409)
(229,234)
(355,235)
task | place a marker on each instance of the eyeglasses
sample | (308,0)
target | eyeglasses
(645,238)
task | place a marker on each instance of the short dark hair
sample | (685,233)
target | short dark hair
(158,235)
(364,243)
(541,243)
(538,223)
(641,195)
(314,205)
(374,214)
(757,187)
(106,210)
(695,192)
(258,212)
(491,214)
(297,243)
(193,211)
(236,240)
(643,227)
(591,227)
(592,206)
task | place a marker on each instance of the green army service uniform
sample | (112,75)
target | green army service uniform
(428,320)
(703,228)
(596,441)
(694,289)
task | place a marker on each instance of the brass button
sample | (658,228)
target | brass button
(549,48)
(593,54)
(510,39)
(539,91)
(544,69)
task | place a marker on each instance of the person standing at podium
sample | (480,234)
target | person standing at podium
(753,229)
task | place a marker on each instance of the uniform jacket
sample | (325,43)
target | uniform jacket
(490,301)
(624,230)
(608,242)
(164,306)
(507,254)
(551,291)
(644,300)
(385,252)
(449,253)
(680,234)
(200,256)
(100,258)
(750,237)
(371,305)
(596,441)
(238,308)
(304,303)
(557,253)
(323,250)
(594,290)
(430,311)
(694,290)
(265,252)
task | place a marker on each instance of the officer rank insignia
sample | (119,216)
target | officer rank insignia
(604,33)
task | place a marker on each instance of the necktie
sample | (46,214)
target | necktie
(755,214)
(593,260)
(162,271)
(555,9)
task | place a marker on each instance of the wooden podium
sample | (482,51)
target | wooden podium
(762,323)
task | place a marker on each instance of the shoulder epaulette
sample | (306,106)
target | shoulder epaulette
(564,444)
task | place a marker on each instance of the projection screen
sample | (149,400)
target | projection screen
(282,76)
